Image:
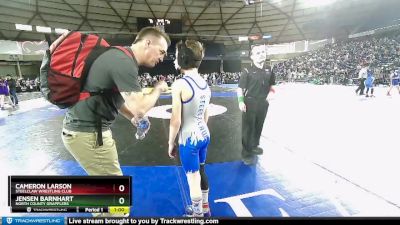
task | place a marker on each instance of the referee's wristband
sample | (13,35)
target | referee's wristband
(241,99)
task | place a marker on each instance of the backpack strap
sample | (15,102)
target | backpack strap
(96,52)
(99,125)
(127,51)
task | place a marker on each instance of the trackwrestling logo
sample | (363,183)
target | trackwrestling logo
(34,220)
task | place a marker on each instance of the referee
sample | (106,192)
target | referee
(255,84)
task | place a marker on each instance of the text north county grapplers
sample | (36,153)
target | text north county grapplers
(43,200)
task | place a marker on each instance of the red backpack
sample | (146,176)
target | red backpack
(66,64)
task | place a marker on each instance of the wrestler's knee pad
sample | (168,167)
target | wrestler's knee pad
(204,178)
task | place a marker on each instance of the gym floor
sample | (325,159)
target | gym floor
(327,153)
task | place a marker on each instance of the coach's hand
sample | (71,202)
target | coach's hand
(162,86)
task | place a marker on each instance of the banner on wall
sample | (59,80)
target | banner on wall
(23,48)
(34,47)
(10,47)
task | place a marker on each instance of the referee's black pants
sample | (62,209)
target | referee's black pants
(252,124)
(361,86)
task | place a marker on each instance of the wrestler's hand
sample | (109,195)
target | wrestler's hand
(242,106)
(172,150)
(161,85)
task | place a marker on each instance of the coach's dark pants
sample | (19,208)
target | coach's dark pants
(252,124)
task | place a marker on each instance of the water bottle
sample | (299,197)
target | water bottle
(142,128)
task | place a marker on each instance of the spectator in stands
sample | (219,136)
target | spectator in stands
(394,80)
(5,94)
(362,76)
(12,84)
(342,57)
(369,83)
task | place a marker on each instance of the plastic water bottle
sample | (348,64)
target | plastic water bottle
(142,128)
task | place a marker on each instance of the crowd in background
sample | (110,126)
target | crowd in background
(337,63)
(146,80)
(340,62)
(26,84)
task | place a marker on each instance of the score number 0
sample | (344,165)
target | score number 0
(121,200)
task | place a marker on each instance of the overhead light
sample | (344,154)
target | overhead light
(243,53)
(251,2)
(242,38)
(23,27)
(317,3)
(60,30)
(43,29)
(267,36)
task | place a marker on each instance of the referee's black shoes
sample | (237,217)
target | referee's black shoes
(257,151)
(250,160)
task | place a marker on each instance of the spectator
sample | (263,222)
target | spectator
(12,84)
(5,94)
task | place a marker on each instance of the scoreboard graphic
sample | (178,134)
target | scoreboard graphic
(87,194)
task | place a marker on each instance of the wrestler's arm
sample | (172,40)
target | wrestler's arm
(206,116)
(175,122)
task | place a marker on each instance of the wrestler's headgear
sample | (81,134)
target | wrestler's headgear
(186,57)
